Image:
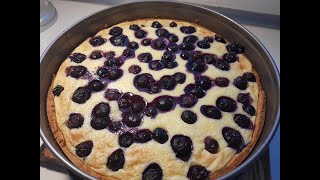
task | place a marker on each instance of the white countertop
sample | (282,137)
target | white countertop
(71,12)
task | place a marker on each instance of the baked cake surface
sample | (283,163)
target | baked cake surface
(156,99)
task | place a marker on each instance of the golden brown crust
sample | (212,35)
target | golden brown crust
(259,122)
(51,112)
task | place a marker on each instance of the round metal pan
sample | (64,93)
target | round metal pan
(56,53)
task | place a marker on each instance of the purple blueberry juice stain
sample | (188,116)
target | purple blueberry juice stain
(87,76)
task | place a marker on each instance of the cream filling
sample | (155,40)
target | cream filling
(138,156)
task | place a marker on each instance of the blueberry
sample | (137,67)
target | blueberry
(249,109)
(189,117)
(197,66)
(198,92)
(222,65)
(99,123)
(77,57)
(151,111)
(143,136)
(138,104)
(152,172)
(203,44)
(124,101)
(125,139)
(142,80)
(84,149)
(102,72)
(131,120)
(156,65)
(114,74)
(179,77)
(145,57)
(194,90)
(244,98)
(233,138)
(235,48)
(134,69)
(133,45)
(173,38)
(97,41)
(75,120)
(173,24)
(116,160)
(222,82)
(154,88)
(160,135)
(230,57)
(146,42)
(190,39)
(170,65)
(96,85)
(159,44)
(101,110)
(115,31)
(113,62)
(119,40)
(182,146)
(198,172)
(186,46)
(140,34)
(112,94)
(243,121)
(109,54)
(115,126)
(128,53)
(134,27)
(211,112)
(188,29)
(241,83)
(168,82)
(161,32)
(196,55)
(249,76)
(185,55)
(204,82)
(208,39)
(57,90)
(211,145)
(226,104)
(188,101)
(172,48)
(168,56)
(96,55)
(209,58)
(164,103)
(219,39)
(156,24)
(81,95)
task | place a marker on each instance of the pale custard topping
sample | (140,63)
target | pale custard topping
(139,155)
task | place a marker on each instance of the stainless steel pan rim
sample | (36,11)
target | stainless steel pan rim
(276,77)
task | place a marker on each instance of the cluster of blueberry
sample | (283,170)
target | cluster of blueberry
(134,107)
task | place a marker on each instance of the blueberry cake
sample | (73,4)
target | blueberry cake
(156,99)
